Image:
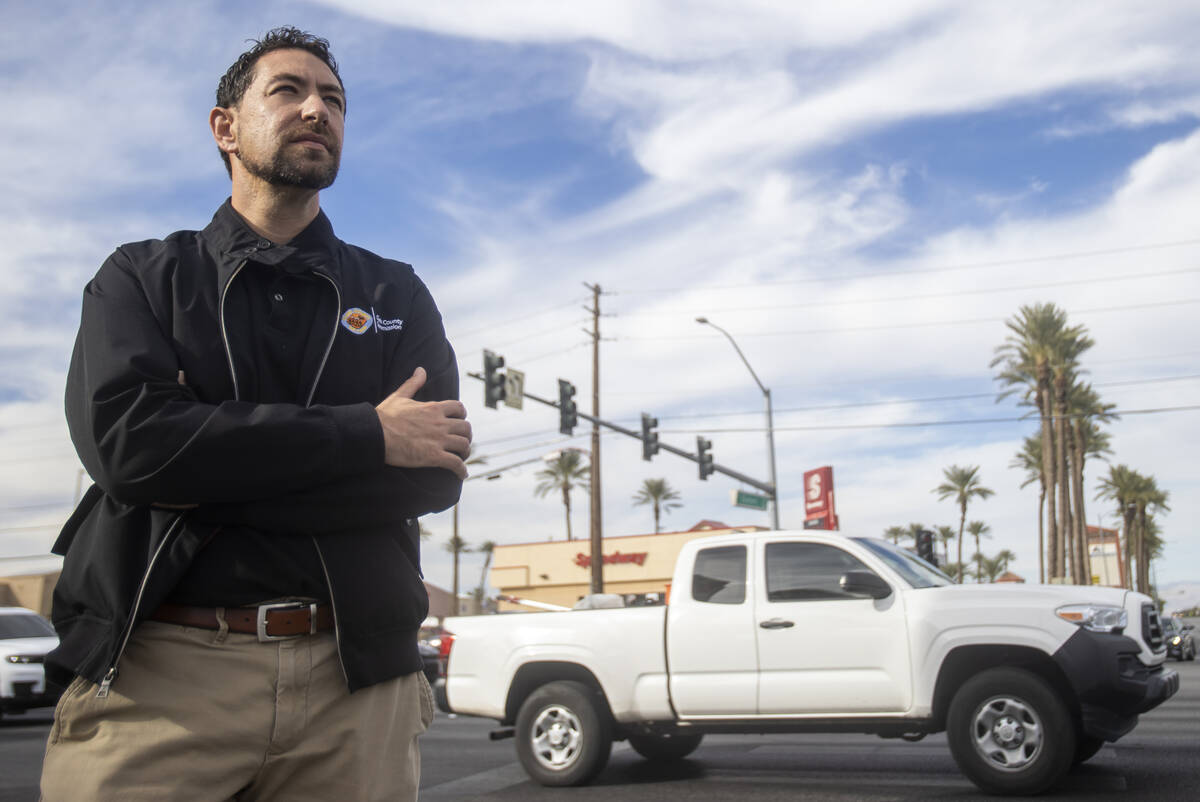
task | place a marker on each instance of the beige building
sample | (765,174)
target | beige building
(559,572)
(33,591)
(1104,553)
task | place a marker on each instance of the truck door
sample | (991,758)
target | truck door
(711,653)
(821,650)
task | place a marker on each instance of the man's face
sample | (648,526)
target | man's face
(290,122)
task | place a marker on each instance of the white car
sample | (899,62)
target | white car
(25,638)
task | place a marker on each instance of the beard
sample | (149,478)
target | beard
(295,167)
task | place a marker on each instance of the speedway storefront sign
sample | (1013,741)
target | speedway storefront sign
(616,558)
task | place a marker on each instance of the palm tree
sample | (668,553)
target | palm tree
(962,483)
(1029,458)
(1150,499)
(978,529)
(988,568)
(1005,557)
(659,494)
(565,473)
(486,548)
(456,546)
(1085,439)
(1041,355)
(894,532)
(945,534)
(1121,486)
(912,531)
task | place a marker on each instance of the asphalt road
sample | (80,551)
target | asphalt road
(1160,760)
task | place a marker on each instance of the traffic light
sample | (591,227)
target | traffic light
(925,546)
(649,437)
(703,458)
(568,413)
(493,379)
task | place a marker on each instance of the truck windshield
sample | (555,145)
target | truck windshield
(915,571)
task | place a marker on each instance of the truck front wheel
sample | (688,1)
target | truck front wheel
(665,748)
(1009,733)
(563,734)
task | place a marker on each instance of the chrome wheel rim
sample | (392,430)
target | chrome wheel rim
(557,738)
(1007,733)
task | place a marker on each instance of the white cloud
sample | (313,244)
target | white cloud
(729,111)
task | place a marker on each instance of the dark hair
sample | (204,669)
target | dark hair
(240,75)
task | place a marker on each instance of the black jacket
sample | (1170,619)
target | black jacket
(315,471)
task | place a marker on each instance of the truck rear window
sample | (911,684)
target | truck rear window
(719,576)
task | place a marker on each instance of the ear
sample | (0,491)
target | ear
(223,121)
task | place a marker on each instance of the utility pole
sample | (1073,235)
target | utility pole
(596,529)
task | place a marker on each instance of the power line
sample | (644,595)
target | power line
(1058,257)
(932,296)
(913,424)
(927,399)
(39,528)
(919,325)
(47,505)
(521,319)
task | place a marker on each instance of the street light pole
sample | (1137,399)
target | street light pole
(770,420)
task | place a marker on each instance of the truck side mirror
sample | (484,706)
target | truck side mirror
(865,583)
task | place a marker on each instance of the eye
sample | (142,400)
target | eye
(335,101)
(283,88)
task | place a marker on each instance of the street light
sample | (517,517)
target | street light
(770,420)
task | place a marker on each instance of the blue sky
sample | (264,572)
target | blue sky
(860,194)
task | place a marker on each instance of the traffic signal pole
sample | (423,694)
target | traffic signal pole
(596,507)
(679,452)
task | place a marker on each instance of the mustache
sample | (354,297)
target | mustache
(317,131)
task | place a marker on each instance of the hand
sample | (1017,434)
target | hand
(424,434)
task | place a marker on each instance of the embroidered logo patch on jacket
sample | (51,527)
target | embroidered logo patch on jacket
(357,321)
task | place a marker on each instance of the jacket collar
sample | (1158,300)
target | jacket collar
(316,247)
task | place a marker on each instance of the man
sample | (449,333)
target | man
(265,411)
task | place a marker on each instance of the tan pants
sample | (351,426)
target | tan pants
(204,715)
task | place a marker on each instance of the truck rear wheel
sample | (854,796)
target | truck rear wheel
(564,735)
(1009,733)
(665,748)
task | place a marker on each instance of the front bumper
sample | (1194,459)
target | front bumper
(1111,684)
(24,689)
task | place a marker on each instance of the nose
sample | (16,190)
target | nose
(314,109)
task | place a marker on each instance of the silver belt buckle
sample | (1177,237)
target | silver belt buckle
(263,609)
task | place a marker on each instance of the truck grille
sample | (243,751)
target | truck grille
(1152,632)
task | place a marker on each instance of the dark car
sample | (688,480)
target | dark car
(429,661)
(1178,637)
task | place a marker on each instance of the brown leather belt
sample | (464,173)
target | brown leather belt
(269,621)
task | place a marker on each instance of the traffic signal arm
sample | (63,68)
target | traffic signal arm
(765,487)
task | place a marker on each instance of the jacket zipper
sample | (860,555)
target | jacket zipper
(337,630)
(225,334)
(329,346)
(111,674)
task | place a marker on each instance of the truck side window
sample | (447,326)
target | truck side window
(719,576)
(808,571)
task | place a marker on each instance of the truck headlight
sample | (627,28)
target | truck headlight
(1095,617)
(1175,641)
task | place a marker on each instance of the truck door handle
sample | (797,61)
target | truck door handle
(776,623)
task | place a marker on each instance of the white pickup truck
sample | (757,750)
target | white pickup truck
(775,632)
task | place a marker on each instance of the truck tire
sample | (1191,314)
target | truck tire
(1009,733)
(564,734)
(665,748)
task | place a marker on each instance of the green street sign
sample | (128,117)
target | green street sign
(754,501)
